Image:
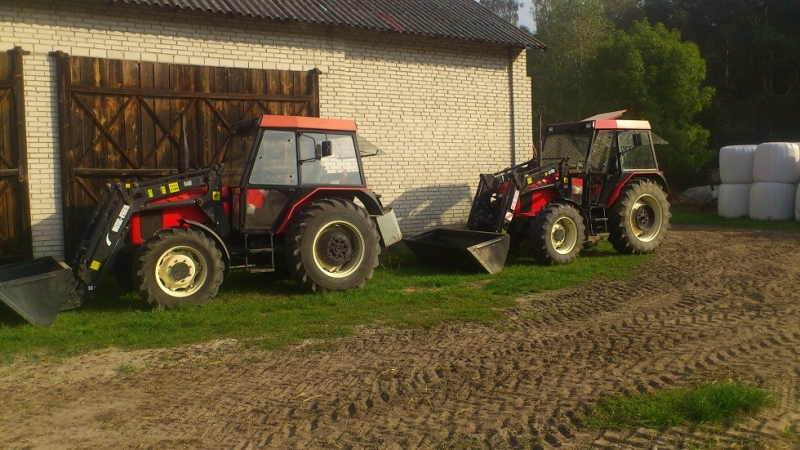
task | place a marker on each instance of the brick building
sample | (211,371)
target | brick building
(439,85)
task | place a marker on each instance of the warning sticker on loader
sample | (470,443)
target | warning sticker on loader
(216,196)
(120,219)
(174,187)
(95,265)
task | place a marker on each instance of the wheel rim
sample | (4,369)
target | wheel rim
(338,249)
(564,235)
(646,218)
(180,271)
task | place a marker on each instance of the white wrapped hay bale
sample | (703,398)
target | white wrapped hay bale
(736,164)
(772,201)
(777,162)
(733,200)
(797,204)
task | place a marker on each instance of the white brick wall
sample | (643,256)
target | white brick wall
(441,109)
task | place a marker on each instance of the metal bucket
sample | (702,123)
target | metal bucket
(466,249)
(36,289)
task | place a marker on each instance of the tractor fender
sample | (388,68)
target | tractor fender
(569,201)
(367,197)
(657,177)
(213,235)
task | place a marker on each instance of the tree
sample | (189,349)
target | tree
(506,9)
(573,30)
(751,51)
(656,76)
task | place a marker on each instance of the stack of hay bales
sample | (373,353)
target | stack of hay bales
(797,204)
(797,199)
(736,174)
(776,174)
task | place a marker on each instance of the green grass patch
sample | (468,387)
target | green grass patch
(715,403)
(684,215)
(272,311)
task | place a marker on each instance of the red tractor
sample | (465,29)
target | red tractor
(290,192)
(593,179)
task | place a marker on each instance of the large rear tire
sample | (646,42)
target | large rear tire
(179,267)
(332,246)
(639,221)
(557,234)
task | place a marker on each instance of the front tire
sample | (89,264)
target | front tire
(557,234)
(179,267)
(640,219)
(332,246)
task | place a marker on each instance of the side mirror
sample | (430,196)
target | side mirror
(323,150)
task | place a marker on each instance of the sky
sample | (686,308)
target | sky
(525,17)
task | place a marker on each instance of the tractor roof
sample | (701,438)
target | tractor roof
(306,123)
(610,121)
(602,121)
(621,125)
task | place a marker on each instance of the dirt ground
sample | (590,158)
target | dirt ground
(712,305)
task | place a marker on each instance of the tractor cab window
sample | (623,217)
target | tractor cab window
(276,160)
(636,151)
(236,156)
(570,146)
(602,151)
(340,167)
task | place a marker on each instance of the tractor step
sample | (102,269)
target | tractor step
(253,268)
(260,269)
(258,251)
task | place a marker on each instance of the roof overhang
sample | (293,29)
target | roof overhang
(455,19)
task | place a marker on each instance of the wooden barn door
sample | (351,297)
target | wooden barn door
(124,120)
(15,217)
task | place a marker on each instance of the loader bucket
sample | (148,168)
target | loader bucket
(471,250)
(36,289)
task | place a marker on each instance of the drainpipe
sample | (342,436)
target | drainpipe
(511,108)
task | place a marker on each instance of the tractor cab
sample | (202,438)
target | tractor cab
(599,154)
(274,160)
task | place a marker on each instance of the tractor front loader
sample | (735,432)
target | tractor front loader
(289,194)
(597,178)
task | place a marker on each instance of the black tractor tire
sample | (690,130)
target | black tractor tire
(179,267)
(639,221)
(557,233)
(333,245)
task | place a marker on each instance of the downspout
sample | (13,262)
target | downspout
(511,108)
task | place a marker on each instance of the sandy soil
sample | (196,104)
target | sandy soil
(712,305)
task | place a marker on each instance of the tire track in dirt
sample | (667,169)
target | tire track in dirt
(710,305)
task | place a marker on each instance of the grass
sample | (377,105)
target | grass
(714,403)
(272,312)
(685,215)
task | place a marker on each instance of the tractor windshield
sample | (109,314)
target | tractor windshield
(236,156)
(570,146)
(339,167)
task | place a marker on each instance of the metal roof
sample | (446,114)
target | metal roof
(457,19)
